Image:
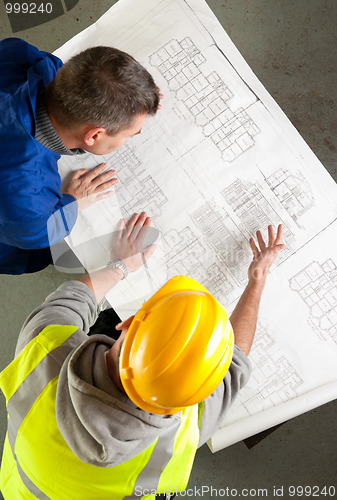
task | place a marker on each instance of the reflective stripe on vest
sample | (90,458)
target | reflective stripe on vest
(37,463)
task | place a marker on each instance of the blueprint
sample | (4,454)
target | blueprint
(219,161)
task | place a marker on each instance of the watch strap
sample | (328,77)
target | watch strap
(116,263)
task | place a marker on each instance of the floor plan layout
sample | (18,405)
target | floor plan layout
(206,96)
(317,286)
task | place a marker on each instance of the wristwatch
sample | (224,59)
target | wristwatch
(120,265)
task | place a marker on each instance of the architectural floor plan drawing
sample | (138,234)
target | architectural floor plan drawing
(206,96)
(293,192)
(316,284)
(219,161)
(254,210)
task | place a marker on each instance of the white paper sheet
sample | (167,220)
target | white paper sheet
(218,162)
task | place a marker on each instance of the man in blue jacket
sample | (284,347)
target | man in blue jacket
(94,102)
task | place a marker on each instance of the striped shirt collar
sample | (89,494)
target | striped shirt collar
(45,132)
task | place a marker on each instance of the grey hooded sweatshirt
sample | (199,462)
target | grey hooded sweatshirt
(100,424)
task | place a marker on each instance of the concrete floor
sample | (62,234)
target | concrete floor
(291,46)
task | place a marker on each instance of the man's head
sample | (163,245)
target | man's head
(102,95)
(175,351)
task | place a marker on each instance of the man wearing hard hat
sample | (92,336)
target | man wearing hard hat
(94,418)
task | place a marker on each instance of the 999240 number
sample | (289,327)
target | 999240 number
(28,8)
(312,491)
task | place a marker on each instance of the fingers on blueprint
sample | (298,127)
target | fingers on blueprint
(131,244)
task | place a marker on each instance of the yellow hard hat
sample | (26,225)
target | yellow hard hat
(177,349)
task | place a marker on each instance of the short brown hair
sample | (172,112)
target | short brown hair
(103,87)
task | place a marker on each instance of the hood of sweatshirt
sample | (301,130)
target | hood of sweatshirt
(100,424)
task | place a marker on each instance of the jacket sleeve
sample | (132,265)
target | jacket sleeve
(212,411)
(32,233)
(73,303)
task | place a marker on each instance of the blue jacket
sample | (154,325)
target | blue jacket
(30,182)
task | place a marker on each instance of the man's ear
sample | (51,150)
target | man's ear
(93,135)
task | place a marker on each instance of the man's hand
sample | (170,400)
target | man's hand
(264,256)
(244,316)
(88,187)
(129,248)
(129,243)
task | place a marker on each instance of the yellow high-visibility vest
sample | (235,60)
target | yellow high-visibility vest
(37,462)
